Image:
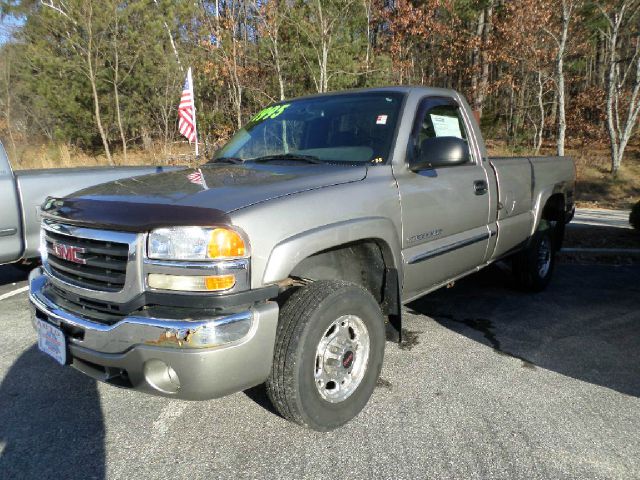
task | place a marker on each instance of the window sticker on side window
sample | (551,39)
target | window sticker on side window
(446,126)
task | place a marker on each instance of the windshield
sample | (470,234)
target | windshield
(350,128)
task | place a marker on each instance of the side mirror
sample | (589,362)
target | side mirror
(440,152)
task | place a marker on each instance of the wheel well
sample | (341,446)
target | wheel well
(365,262)
(360,262)
(554,211)
(554,208)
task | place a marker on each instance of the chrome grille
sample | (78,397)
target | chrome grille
(101,312)
(89,263)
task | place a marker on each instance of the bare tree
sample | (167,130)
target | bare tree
(171,39)
(88,45)
(623,81)
(230,49)
(92,52)
(6,79)
(538,128)
(479,58)
(568,8)
(368,11)
(116,81)
(271,19)
(320,29)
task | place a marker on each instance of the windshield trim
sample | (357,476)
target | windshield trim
(396,132)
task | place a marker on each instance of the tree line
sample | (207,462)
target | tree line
(107,75)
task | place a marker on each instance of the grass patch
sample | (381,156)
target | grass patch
(597,188)
(27,157)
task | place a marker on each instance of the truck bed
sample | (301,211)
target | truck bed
(522,184)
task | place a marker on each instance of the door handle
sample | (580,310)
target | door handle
(7,232)
(480,187)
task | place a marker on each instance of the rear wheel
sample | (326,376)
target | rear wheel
(533,267)
(328,354)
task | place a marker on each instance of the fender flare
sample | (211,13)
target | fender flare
(540,202)
(290,252)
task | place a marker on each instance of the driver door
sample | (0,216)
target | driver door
(445,211)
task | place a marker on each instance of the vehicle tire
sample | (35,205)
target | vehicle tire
(558,229)
(533,267)
(328,354)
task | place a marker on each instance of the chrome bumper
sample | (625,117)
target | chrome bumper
(178,358)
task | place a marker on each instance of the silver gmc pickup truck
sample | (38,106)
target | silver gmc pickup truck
(22,192)
(287,257)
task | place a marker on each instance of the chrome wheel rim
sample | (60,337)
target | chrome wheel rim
(544,257)
(341,358)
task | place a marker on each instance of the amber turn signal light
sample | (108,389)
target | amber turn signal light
(225,244)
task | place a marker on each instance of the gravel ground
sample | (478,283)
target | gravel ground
(490,383)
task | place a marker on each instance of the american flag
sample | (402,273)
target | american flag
(187,111)
(197,178)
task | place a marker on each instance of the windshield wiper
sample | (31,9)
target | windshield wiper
(289,156)
(234,160)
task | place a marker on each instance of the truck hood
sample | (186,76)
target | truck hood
(200,196)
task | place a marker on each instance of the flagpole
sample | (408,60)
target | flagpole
(187,112)
(193,96)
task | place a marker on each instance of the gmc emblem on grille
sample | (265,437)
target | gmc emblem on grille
(69,253)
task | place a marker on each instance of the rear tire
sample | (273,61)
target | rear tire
(328,354)
(558,229)
(533,267)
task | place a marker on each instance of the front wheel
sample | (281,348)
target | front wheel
(328,354)
(533,267)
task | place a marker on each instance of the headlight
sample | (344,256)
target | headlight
(225,250)
(195,243)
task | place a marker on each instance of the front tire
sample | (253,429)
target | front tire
(27,265)
(533,267)
(328,354)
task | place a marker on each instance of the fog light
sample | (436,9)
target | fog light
(161,376)
(191,283)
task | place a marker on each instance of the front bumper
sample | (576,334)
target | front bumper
(168,357)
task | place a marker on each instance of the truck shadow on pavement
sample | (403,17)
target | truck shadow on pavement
(51,423)
(586,325)
(11,274)
(259,395)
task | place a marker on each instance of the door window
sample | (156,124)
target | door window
(437,118)
(442,121)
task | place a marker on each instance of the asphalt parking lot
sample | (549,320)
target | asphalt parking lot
(490,383)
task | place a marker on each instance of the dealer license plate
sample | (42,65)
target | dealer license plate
(52,342)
